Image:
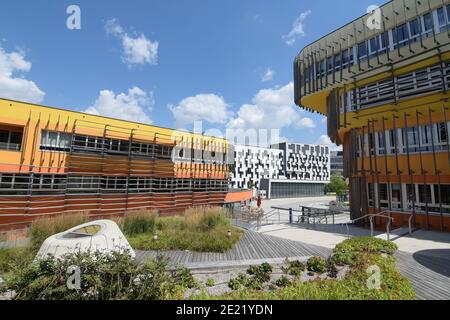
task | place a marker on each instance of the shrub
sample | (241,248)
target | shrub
(344,252)
(139,222)
(282,282)
(201,229)
(240,281)
(185,278)
(205,218)
(11,257)
(316,264)
(112,276)
(260,273)
(210,282)
(294,268)
(41,229)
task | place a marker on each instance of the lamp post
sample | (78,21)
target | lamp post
(155,237)
(229,234)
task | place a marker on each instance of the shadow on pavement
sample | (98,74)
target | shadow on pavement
(437,260)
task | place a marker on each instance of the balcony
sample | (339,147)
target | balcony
(410,32)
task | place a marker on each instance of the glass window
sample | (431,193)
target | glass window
(396,196)
(444,195)
(424,193)
(401,35)
(56,141)
(374,45)
(415,29)
(362,50)
(4,136)
(428,24)
(442,19)
(337,61)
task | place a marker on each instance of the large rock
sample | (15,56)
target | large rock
(100,235)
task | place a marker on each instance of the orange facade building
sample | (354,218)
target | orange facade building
(383,82)
(55,161)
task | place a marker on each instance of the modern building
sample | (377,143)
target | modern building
(383,81)
(337,162)
(55,161)
(286,170)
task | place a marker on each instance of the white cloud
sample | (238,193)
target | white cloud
(13,86)
(297,30)
(137,49)
(325,140)
(305,123)
(268,75)
(271,109)
(133,106)
(207,107)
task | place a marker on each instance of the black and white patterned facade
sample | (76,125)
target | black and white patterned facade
(306,162)
(253,164)
(282,162)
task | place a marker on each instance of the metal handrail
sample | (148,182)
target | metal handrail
(371,216)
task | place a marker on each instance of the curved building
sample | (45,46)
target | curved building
(382,80)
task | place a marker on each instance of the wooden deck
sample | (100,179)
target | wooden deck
(253,247)
(430,277)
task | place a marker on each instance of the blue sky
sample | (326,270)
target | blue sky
(227,63)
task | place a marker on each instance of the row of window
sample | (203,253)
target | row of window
(421,27)
(65,142)
(405,197)
(427,80)
(424,138)
(48,183)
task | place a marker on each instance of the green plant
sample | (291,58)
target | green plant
(113,276)
(282,282)
(345,251)
(352,287)
(240,281)
(185,278)
(41,229)
(293,268)
(316,264)
(210,282)
(260,273)
(139,222)
(336,185)
(12,257)
(201,229)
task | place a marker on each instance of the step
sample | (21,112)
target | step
(394,234)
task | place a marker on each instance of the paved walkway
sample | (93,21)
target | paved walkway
(253,248)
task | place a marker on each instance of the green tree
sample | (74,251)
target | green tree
(337,185)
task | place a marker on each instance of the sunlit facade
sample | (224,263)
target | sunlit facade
(382,81)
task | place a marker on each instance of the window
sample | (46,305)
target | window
(410,140)
(401,35)
(415,29)
(425,193)
(10,138)
(428,25)
(444,197)
(383,195)
(442,141)
(374,45)
(337,61)
(396,196)
(381,143)
(392,142)
(330,65)
(443,18)
(55,141)
(347,57)
(362,50)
